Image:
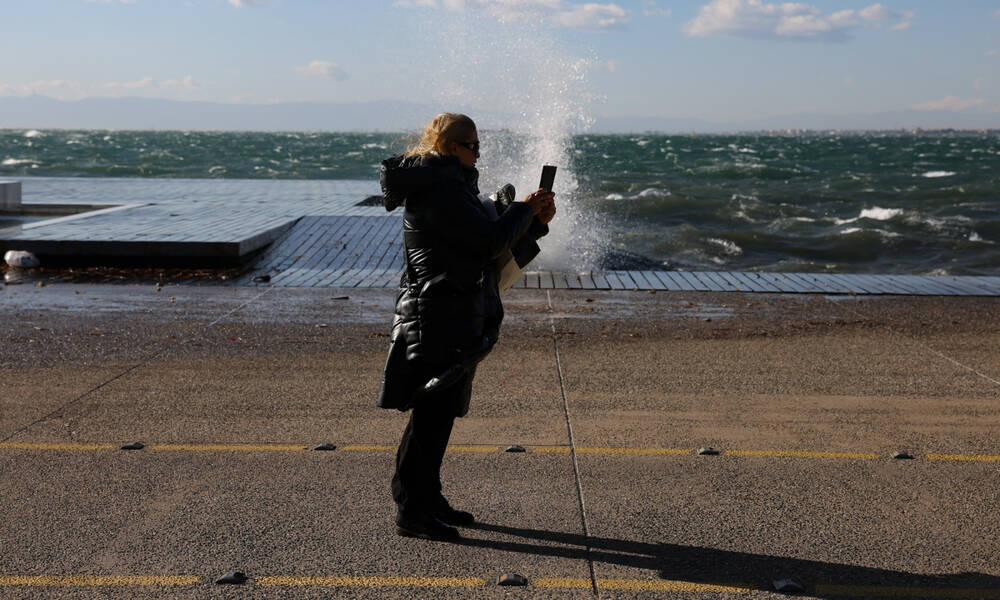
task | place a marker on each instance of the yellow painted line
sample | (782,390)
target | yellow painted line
(226,447)
(650,585)
(55,446)
(483,449)
(346,581)
(567,450)
(911,592)
(798,454)
(965,457)
(368,448)
(95,580)
(471,448)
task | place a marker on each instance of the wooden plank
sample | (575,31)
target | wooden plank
(639,279)
(748,282)
(378,247)
(695,283)
(720,283)
(809,285)
(654,281)
(546,280)
(587,281)
(733,284)
(707,281)
(559,281)
(614,281)
(873,285)
(970,284)
(531,280)
(600,281)
(926,285)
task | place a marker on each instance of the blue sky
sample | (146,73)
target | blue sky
(717,60)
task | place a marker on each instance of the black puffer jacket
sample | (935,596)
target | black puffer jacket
(448,309)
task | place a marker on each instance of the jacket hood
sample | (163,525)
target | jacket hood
(403,176)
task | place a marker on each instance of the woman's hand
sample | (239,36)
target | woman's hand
(541,200)
(547,213)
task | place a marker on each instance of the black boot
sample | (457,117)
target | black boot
(424,526)
(445,513)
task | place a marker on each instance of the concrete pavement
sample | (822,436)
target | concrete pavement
(805,396)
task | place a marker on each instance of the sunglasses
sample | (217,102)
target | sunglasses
(474,146)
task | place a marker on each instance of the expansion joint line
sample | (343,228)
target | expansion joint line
(926,346)
(149,359)
(572,450)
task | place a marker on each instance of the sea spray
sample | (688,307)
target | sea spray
(530,96)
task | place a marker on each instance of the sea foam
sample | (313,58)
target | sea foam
(936,174)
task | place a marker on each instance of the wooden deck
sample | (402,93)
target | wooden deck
(366,251)
(314,234)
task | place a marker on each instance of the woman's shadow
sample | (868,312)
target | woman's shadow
(721,567)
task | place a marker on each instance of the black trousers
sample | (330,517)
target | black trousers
(416,484)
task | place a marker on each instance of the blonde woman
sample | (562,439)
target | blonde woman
(448,309)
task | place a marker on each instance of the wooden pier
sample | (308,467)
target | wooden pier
(321,234)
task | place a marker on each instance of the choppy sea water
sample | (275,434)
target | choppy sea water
(885,203)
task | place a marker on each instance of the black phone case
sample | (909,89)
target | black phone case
(548,177)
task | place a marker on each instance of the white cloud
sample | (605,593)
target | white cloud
(109,1)
(978,84)
(953,103)
(76,90)
(790,20)
(589,16)
(652,9)
(242,3)
(322,68)
(592,16)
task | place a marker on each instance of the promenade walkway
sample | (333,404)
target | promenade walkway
(804,398)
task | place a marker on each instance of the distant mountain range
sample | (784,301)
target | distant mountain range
(38,112)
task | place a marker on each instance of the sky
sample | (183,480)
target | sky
(717,60)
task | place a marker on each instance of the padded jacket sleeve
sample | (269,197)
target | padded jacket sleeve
(464,224)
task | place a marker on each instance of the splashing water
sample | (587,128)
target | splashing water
(529,96)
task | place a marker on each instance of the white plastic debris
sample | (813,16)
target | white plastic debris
(20,258)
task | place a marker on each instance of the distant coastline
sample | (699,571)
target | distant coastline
(143,114)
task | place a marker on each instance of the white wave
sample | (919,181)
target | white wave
(614,197)
(850,230)
(749,197)
(353,154)
(728,247)
(642,143)
(646,193)
(936,174)
(10,162)
(33,133)
(880,214)
(975,237)
(374,145)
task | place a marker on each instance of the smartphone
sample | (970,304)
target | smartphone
(548,177)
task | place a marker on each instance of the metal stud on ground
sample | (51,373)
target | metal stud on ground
(133,446)
(232,578)
(325,447)
(708,451)
(514,448)
(902,455)
(512,579)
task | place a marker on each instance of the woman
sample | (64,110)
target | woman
(448,309)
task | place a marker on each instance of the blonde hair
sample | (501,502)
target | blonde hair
(444,128)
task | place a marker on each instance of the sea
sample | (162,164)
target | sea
(886,202)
